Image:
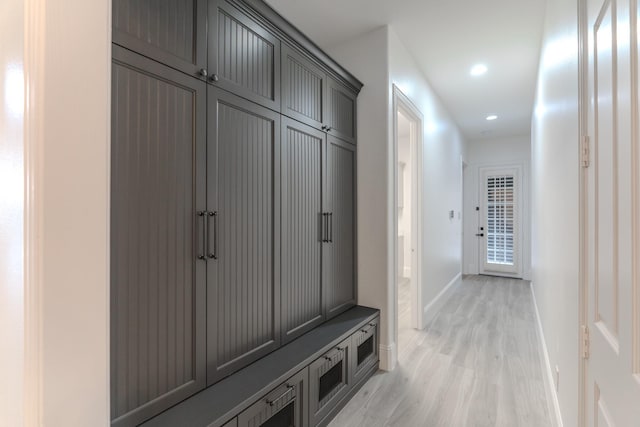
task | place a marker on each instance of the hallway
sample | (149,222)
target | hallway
(477,363)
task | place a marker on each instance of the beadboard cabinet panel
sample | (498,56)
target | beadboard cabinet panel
(340,250)
(340,114)
(303,88)
(157,283)
(243,276)
(302,169)
(244,57)
(168,31)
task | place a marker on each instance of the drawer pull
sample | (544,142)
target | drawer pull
(340,348)
(364,331)
(372,324)
(328,358)
(273,401)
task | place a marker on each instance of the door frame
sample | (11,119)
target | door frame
(519,216)
(402,104)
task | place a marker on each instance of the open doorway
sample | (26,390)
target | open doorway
(407,174)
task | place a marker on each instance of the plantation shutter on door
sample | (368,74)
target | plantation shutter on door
(500,219)
(501,206)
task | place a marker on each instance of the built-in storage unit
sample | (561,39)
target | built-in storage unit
(233,213)
(244,394)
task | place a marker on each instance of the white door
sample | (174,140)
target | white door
(499,231)
(613,220)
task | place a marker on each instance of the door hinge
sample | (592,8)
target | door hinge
(585,151)
(585,342)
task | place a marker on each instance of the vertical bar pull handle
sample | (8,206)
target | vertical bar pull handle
(203,235)
(325,228)
(213,254)
(331,227)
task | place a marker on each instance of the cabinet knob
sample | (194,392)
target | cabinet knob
(203,72)
(214,78)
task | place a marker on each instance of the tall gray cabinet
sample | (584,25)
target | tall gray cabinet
(233,195)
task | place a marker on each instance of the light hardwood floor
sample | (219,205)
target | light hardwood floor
(477,363)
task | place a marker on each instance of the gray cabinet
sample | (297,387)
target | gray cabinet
(285,406)
(303,88)
(339,254)
(243,274)
(312,96)
(157,283)
(168,31)
(244,57)
(303,149)
(364,350)
(340,111)
(329,381)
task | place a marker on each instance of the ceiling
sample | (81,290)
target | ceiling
(446,38)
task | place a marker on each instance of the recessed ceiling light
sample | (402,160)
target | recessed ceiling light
(492,117)
(478,70)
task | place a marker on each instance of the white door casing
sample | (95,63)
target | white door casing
(612,333)
(500,237)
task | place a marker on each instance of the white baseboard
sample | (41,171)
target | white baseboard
(432,308)
(552,395)
(388,357)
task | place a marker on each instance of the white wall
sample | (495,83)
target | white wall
(380,60)
(68,64)
(555,198)
(441,185)
(366,58)
(11,212)
(488,153)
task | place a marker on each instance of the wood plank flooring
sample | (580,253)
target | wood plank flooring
(476,364)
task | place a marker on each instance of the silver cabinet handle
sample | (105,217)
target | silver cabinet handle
(201,255)
(213,254)
(287,391)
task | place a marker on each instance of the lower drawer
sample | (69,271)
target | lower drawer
(328,381)
(285,406)
(365,350)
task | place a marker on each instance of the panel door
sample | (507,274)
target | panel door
(303,88)
(340,224)
(171,32)
(158,352)
(340,111)
(613,235)
(243,196)
(302,151)
(244,57)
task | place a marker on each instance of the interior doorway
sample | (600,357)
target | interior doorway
(407,175)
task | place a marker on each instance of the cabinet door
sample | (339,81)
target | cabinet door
(340,249)
(302,163)
(340,111)
(169,31)
(244,57)
(243,277)
(303,88)
(158,352)
(286,406)
(329,381)
(364,350)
